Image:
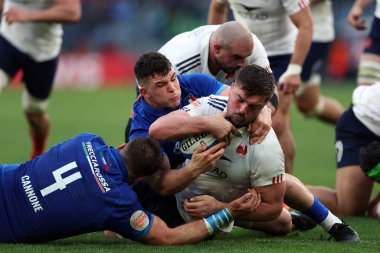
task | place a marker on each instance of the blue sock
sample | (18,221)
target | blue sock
(318,212)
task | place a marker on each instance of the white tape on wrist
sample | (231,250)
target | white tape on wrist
(294,69)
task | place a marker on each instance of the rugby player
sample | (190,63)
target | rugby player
(244,166)
(82,185)
(356,129)
(285,29)
(369,65)
(30,40)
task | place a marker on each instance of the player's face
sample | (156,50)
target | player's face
(241,109)
(233,57)
(162,91)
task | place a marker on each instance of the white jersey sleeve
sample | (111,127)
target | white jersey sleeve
(366,106)
(40,40)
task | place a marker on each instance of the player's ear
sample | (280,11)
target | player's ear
(218,48)
(144,92)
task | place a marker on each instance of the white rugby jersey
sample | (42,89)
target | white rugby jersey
(241,167)
(323,21)
(188,52)
(366,106)
(41,40)
(270,21)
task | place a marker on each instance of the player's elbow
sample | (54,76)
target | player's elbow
(155,131)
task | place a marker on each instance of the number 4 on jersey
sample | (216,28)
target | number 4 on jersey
(61,183)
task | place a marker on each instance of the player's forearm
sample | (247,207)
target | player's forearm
(265,212)
(302,45)
(217,13)
(62,11)
(176,126)
(175,180)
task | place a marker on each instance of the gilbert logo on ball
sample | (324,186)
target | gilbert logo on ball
(188,145)
(139,220)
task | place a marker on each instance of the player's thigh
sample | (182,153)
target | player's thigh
(9,62)
(353,190)
(39,76)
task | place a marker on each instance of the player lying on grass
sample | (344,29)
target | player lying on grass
(244,166)
(82,185)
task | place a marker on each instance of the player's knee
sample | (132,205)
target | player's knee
(4,80)
(369,71)
(33,104)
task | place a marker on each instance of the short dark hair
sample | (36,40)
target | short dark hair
(256,81)
(144,156)
(150,65)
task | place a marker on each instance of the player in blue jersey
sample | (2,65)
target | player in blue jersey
(30,40)
(82,185)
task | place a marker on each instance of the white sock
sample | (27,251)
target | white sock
(329,221)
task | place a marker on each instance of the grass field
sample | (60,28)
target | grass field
(105,112)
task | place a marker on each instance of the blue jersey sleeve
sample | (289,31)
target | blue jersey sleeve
(133,222)
(200,85)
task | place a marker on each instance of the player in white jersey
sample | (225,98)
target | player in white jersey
(242,166)
(285,29)
(308,98)
(30,40)
(358,127)
(369,65)
(200,51)
(219,51)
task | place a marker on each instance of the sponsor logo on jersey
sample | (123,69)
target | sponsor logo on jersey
(30,194)
(189,100)
(94,165)
(242,150)
(218,172)
(139,220)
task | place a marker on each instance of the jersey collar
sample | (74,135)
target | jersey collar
(120,162)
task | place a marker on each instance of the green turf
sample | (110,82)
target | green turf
(105,112)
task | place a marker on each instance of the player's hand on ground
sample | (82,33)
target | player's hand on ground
(204,159)
(289,84)
(15,15)
(355,20)
(259,129)
(221,128)
(246,204)
(202,206)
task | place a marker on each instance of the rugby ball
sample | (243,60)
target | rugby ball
(188,145)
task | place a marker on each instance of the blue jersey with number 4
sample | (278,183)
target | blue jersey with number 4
(78,186)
